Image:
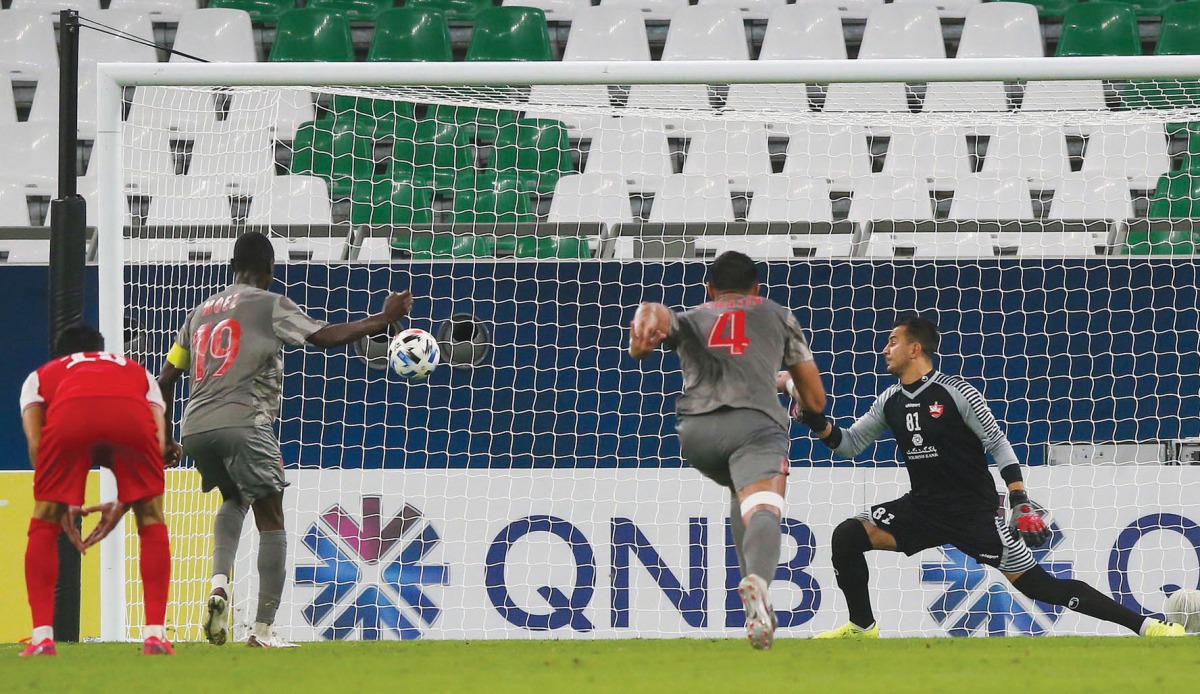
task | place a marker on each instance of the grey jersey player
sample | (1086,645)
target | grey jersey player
(731,425)
(231,345)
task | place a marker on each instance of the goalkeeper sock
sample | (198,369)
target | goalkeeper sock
(1077,596)
(272,565)
(155,564)
(227,531)
(850,545)
(738,529)
(41,570)
(761,545)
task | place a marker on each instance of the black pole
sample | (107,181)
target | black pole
(68,243)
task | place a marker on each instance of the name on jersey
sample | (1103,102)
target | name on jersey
(912,405)
(921,453)
(219,304)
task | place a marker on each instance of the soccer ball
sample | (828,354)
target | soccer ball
(414,354)
(1183,607)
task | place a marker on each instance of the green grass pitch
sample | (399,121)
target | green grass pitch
(890,666)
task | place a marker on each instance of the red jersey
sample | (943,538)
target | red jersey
(89,375)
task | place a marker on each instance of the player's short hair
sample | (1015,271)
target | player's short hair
(921,330)
(733,271)
(253,253)
(78,337)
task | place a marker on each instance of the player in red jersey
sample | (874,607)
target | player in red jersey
(94,407)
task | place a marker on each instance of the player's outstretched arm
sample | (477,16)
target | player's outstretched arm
(803,382)
(395,307)
(649,327)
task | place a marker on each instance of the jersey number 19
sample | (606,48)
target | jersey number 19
(220,341)
(729,332)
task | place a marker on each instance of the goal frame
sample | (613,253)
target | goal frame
(113,78)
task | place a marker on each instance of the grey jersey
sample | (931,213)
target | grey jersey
(234,341)
(730,352)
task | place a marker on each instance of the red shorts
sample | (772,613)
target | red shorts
(118,433)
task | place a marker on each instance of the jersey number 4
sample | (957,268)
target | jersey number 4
(220,341)
(729,332)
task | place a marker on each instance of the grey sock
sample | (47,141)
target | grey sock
(739,532)
(227,531)
(761,545)
(272,566)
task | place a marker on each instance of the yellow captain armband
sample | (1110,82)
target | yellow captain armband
(179,357)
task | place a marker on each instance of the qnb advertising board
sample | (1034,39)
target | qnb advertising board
(466,554)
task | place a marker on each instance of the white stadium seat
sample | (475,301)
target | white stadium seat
(148,163)
(45,101)
(1087,195)
(781,198)
(296,200)
(165,11)
(290,107)
(706,32)
(607,33)
(14,207)
(685,198)
(8,104)
(32,149)
(98,47)
(950,9)
(641,156)
(938,156)
(190,201)
(849,9)
(185,110)
(556,10)
(1134,152)
(591,197)
(892,31)
(240,161)
(217,35)
(735,153)
(836,152)
(991,197)
(1036,154)
(884,197)
(27,46)
(750,9)
(592,98)
(650,9)
(52,7)
(991,30)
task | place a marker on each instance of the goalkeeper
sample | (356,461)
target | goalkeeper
(945,431)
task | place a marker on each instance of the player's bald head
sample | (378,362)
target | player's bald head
(733,272)
(254,256)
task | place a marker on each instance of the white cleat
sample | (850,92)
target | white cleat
(216,619)
(760,616)
(263,637)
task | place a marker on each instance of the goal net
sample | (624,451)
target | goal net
(532,487)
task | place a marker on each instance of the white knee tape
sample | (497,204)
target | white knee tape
(762,499)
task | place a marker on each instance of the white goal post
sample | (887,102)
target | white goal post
(505,86)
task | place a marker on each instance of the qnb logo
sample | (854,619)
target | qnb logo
(978,599)
(371,579)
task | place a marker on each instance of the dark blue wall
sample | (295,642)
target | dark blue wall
(1064,350)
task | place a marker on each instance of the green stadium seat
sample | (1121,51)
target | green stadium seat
(410,34)
(354,10)
(432,151)
(1160,243)
(1051,8)
(565,247)
(492,198)
(1147,8)
(264,11)
(455,10)
(377,119)
(1100,28)
(1180,31)
(312,36)
(1176,197)
(337,154)
(480,123)
(510,33)
(538,152)
(383,200)
(458,246)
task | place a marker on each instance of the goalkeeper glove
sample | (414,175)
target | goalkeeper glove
(813,420)
(1027,519)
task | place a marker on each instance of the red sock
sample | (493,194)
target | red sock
(156,571)
(41,570)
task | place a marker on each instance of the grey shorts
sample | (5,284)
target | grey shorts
(734,447)
(243,462)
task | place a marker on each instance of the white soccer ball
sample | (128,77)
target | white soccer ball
(1183,607)
(414,354)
